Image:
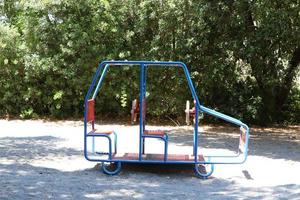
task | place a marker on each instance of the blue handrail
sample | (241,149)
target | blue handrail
(220,115)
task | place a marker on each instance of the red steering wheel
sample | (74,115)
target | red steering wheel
(134,110)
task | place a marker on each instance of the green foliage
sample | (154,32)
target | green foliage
(243,56)
(11,71)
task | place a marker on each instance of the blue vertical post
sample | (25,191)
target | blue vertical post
(142,74)
(194,138)
(144,99)
(145,81)
(196,133)
(197,107)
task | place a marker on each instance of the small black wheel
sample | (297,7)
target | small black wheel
(111,168)
(201,170)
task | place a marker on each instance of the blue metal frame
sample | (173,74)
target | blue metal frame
(93,135)
(142,96)
(164,138)
(100,81)
(213,159)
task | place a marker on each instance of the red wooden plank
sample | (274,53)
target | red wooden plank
(154,132)
(171,157)
(91,110)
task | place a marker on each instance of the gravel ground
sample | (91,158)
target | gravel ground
(44,160)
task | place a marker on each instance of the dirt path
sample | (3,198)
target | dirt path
(44,160)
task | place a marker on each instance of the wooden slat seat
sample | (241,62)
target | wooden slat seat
(171,157)
(154,132)
(95,131)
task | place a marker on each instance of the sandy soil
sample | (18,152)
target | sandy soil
(44,160)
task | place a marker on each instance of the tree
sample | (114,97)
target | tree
(264,36)
(243,55)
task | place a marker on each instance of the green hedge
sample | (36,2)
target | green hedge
(243,58)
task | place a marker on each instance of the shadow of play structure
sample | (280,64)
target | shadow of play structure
(112,160)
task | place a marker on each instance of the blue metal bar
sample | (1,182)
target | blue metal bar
(144,92)
(100,81)
(109,142)
(142,73)
(145,80)
(164,138)
(103,135)
(246,143)
(221,115)
(160,162)
(116,141)
(144,98)
(110,148)
(196,134)
(190,83)
(121,62)
(166,147)
(197,106)
(87,96)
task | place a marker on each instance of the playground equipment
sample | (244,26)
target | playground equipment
(204,164)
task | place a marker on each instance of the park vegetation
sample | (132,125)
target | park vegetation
(243,56)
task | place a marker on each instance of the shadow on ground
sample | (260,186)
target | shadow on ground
(263,142)
(29,148)
(159,169)
(21,180)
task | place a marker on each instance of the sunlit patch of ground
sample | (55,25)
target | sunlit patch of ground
(44,160)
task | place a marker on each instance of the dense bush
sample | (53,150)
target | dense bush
(243,56)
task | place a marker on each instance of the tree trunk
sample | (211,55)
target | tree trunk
(288,79)
(274,98)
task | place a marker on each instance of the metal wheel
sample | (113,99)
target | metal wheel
(111,168)
(201,170)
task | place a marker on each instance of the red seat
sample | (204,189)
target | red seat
(154,132)
(91,118)
(91,111)
(95,131)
